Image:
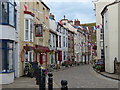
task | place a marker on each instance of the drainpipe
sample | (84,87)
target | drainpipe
(103,41)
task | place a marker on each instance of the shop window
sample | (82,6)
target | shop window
(7,54)
(29,56)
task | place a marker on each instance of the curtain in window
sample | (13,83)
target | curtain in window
(10,59)
(11,15)
(4,12)
(31,30)
(26,29)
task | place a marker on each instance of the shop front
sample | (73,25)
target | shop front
(42,55)
(27,56)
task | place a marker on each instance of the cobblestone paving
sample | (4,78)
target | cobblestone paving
(84,76)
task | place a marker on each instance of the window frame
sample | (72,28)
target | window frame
(6,59)
(8,16)
(29,30)
(40,27)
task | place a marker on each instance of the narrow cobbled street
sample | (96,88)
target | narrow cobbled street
(84,76)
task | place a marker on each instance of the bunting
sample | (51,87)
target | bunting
(40,13)
(89,27)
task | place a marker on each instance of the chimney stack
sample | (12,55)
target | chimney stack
(77,22)
(51,15)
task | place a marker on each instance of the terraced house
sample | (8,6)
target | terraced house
(34,33)
(9,41)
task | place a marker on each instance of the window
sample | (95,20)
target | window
(56,41)
(60,41)
(101,43)
(50,40)
(7,54)
(101,30)
(28,34)
(53,41)
(64,55)
(39,30)
(26,29)
(31,30)
(4,12)
(29,56)
(64,41)
(101,36)
(8,15)
(11,15)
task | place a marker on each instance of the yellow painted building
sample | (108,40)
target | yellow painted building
(34,33)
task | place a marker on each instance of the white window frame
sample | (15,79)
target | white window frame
(29,18)
(30,52)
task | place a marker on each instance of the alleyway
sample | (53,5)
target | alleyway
(84,77)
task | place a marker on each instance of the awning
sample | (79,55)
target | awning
(42,49)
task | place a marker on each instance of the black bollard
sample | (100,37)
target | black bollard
(50,81)
(64,85)
(38,76)
(43,79)
(40,79)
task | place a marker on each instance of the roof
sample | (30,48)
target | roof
(105,8)
(44,4)
(89,24)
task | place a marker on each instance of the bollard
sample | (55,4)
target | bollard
(43,80)
(64,85)
(40,79)
(50,81)
(38,76)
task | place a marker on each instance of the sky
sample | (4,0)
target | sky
(72,9)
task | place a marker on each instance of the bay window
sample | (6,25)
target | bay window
(28,33)
(7,53)
(4,14)
(8,13)
(11,14)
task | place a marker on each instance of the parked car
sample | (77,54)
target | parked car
(99,65)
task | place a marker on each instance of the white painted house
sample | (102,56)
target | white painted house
(53,35)
(62,42)
(99,5)
(9,41)
(111,22)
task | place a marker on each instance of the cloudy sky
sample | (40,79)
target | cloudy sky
(72,9)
